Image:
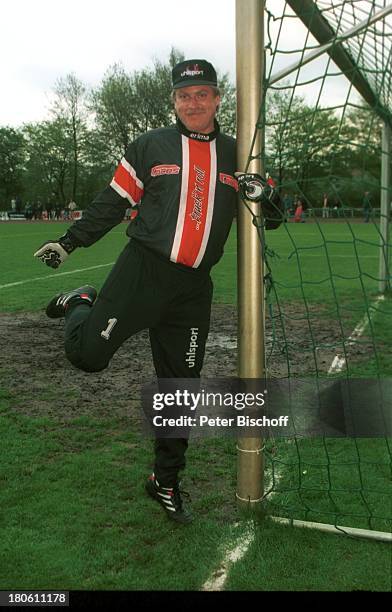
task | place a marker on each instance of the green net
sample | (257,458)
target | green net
(326,130)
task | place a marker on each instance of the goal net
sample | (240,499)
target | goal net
(326,121)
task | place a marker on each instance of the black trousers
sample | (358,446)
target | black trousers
(144,291)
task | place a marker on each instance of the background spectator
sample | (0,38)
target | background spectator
(367,206)
(325,211)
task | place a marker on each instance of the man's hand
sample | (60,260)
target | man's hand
(255,188)
(54,253)
(251,186)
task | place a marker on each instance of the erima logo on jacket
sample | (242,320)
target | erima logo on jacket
(197,136)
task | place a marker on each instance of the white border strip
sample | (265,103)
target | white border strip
(183,199)
(382,536)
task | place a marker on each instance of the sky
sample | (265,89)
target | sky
(47,39)
(44,40)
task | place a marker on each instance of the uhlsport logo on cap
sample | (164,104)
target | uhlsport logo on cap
(194,72)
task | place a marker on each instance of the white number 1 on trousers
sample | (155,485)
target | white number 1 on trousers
(106,332)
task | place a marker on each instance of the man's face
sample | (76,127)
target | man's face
(196,107)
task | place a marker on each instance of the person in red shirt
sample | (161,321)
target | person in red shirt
(299,211)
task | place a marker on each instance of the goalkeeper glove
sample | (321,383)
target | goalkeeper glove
(54,253)
(255,188)
(252,186)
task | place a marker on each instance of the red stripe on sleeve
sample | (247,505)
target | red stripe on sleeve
(127,182)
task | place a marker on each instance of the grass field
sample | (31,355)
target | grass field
(308,259)
(73,512)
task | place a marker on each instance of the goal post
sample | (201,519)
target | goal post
(250,71)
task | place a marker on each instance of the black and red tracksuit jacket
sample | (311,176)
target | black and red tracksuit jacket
(183,186)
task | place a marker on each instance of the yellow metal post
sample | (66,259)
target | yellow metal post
(250,68)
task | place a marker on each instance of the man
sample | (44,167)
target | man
(181,180)
(367,206)
(325,210)
(71,208)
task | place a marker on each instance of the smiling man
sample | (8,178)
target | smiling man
(196,103)
(181,181)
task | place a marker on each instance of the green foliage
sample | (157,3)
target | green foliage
(227,110)
(113,105)
(127,104)
(312,151)
(49,160)
(69,107)
(12,159)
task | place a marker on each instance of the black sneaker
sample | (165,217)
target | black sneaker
(170,499)
(58,305)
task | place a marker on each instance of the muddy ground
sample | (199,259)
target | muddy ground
(42,382)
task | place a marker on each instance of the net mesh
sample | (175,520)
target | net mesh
(326,265)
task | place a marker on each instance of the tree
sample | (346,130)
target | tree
(283,112)
(316,150)
(50,160)
(113,105)
(126,105)
(70,108)
(227,110)
(12,159)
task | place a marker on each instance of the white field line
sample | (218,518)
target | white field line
(37,278)
(218,578)
(339,362)
(40,234)
(20,235)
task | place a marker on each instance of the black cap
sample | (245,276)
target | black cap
(194,72)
